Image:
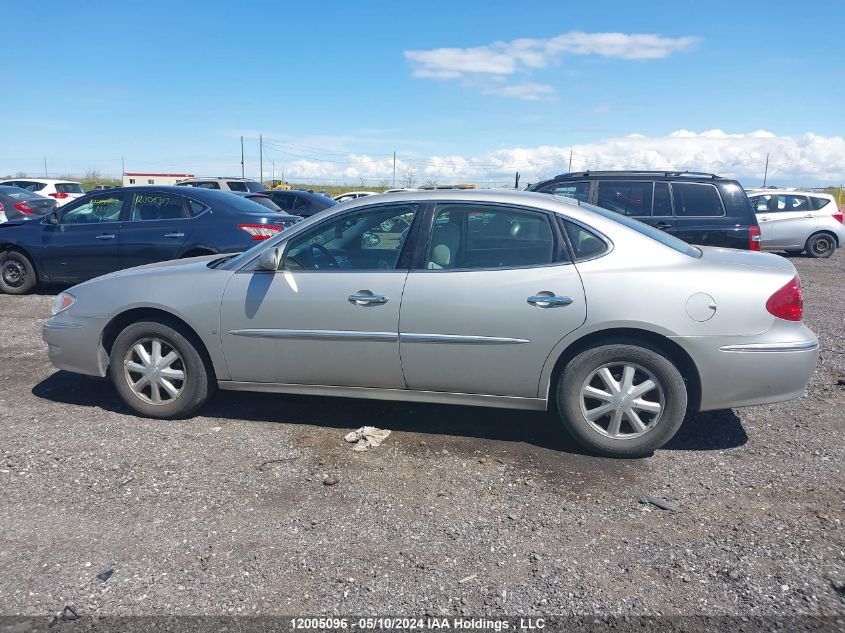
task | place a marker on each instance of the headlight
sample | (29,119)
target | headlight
(62,302)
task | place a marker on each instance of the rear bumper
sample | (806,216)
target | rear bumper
(75,344)
(746,371)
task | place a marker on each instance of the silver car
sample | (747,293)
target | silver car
(798,221)
(491,298)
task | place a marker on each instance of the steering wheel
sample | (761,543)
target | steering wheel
(325,252)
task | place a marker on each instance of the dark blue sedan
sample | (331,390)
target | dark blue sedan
(109,230)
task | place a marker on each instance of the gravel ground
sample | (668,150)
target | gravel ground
(461,511)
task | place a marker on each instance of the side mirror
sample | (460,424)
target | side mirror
(53,218)
(269,260)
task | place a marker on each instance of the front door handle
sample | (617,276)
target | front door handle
(764,219)
(663,225)
(548,300)
(106,236)
(174,235)
(366,298)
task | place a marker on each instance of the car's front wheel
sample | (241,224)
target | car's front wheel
(17,274)
(820,245)
(621,400)
(159,371)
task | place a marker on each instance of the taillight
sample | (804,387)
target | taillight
(60,196)
(839,217)
(23,207)
(787,303)
(260,231)
(754,238)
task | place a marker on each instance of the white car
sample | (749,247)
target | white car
(63,191)
(798,221)
(353,195)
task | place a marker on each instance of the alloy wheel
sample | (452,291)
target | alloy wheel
(622,400)
(154,371)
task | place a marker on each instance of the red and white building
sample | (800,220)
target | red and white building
(136,178)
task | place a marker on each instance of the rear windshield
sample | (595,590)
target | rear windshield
(647,230)
(69,187)
(253,186)
(245,205)
(265,202)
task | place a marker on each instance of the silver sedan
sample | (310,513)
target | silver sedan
(490,298)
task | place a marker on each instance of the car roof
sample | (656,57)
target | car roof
(509,196)
(47,181)
(801,192)
(201,178)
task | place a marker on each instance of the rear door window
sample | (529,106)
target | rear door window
(236,185)
(468,236)
(578,190)
(157,206)
(792,203)
(626,198)
(696,200)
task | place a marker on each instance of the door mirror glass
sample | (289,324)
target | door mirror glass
(269,260)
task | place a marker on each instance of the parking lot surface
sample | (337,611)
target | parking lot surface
(460,511)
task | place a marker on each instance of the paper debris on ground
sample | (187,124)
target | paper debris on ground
(366,437)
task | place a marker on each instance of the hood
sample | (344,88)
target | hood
(185,264)
(755,259)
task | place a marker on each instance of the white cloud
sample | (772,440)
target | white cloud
(527,91)
(504,59)
(807,160)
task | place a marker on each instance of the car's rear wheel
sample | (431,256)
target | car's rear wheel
(820,245)
(621,400)
(159,371)
(17,274)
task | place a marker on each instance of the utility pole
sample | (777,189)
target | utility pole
(261,158)
(122,167)
(45,166)
(394,170)
(766,172)
(570,161)
(242,156)
(516,181)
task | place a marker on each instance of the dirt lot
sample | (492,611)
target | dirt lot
(461,511)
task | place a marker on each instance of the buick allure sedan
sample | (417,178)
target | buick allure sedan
(499,299)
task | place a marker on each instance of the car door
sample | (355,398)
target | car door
(156,227)
(83,241)
(764,206)
(493,294)
(330,315)
(793,221)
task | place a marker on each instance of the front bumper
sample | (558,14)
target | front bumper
(74,344)
(752,370)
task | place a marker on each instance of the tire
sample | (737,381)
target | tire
(17,274)
(657,427)
(820,245)
(192,390)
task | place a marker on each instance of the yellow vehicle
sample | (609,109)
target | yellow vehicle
(279,184)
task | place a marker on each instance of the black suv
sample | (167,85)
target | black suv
(699,208)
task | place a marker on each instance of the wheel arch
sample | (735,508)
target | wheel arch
(123,319)
(824,232)
(12,246)
(636,336)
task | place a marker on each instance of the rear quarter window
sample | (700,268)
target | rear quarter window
(818,203)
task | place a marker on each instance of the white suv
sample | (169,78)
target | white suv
(62,190)
(224,184)
(798,221)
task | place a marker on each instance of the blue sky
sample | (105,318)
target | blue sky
(336,87)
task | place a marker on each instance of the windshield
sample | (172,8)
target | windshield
(656,234)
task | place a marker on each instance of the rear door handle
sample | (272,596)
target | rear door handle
(174,235)
(549,300)
(809,215)
(663,225)
(106,236)
(365,298)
